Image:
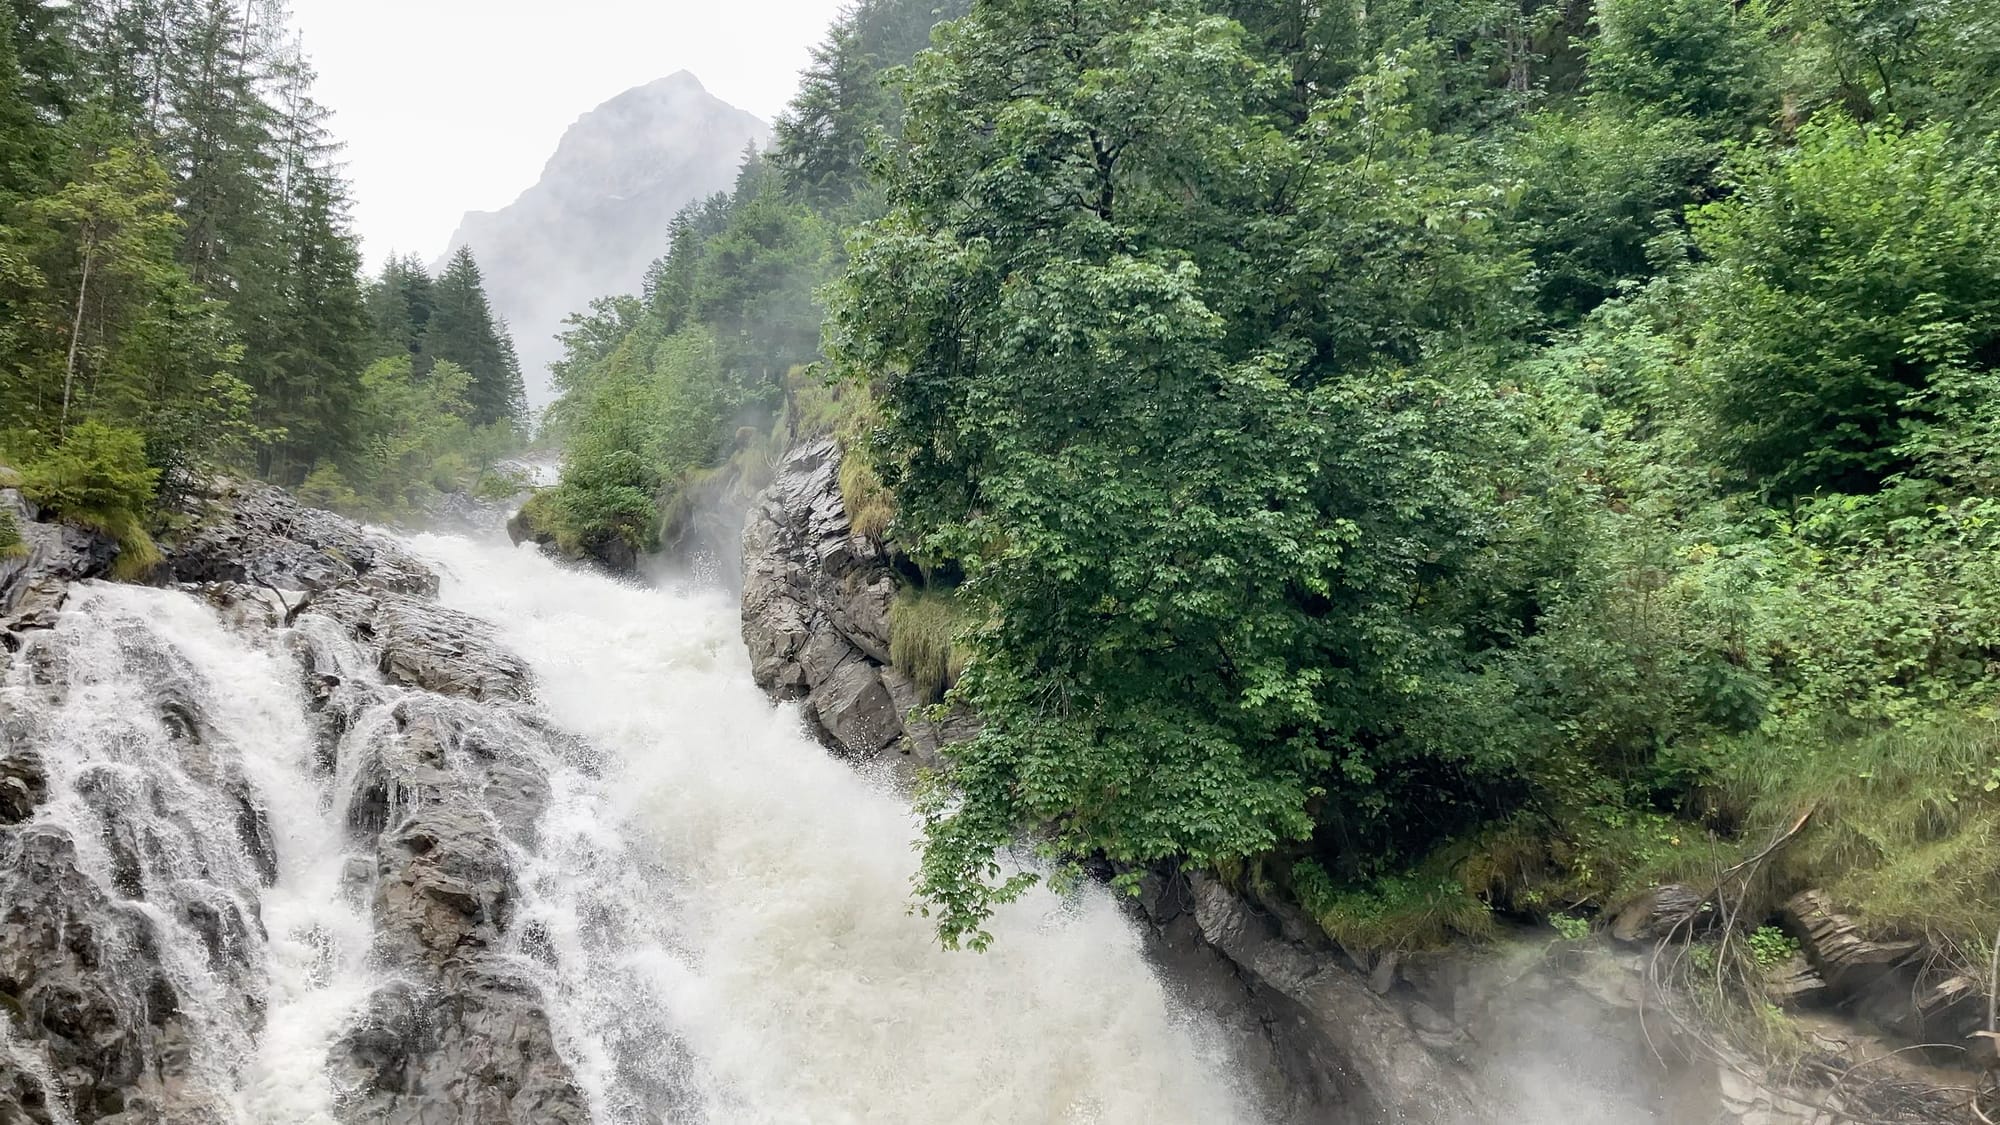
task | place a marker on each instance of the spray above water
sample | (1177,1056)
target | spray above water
(760,889)
(714,909)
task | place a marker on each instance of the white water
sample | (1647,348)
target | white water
(717,910)
(759,890)
(121,655)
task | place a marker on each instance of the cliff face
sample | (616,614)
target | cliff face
(598,216)
(816,603)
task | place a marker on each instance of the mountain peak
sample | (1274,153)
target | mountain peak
(599,214)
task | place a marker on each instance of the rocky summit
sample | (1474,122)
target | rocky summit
(601,211)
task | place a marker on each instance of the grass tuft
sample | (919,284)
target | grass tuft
(11,544)
(1905,827)
(924,625)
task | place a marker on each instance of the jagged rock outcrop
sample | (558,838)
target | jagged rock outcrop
(444,790)
(255,533)
(1891,984)
(1385,1068)
(427,737)
(607,550)
(816,600)
(81,984)
(34,581)
(1673,912)
(816,617)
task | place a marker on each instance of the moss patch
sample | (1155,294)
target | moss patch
(11,545)
(1408,912)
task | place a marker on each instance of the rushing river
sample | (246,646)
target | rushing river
(716,910)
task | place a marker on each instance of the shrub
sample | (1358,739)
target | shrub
(99,478)
(326,487)
(11,546)
(1397,912)
(1772,947)
(1571,927)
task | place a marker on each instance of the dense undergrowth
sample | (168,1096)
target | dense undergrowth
(1435,461)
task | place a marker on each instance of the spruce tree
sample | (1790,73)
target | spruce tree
(309,377)
(463,330)
(400,303)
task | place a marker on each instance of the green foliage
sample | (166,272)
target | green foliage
(1691,58)
(97,472)
(326,487)
(11,544)
(1848,276)
(843,108)
(1905,820)
(1401,912)
(1196,553)
(1771,947)
(99,478)
(420,441)
(176,258)
(1570,926)
(1478,458)
(459,328)
(924,625)
(1599,199)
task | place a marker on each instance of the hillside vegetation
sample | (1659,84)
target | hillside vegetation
(1430,458)
(180,289)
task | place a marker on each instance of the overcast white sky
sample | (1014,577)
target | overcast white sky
(448,106)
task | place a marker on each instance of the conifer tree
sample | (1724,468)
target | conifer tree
(463,330)
(313,351)
(400,303)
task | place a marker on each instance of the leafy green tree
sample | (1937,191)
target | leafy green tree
(1600,200)
(99,478)
(1845,276)
(1137,352)
(124,333)
(754,287)
(1690,58)
(37,89)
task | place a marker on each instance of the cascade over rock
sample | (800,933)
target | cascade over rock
(136,853)
(34,582)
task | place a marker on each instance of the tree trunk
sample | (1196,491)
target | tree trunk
(76,333)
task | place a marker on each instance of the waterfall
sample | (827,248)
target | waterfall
(756,891)
(715,911)
(177,760)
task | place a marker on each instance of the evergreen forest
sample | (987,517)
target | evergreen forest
(180,287)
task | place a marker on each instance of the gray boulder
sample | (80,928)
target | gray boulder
(258,534)
(816,601)
(35,582)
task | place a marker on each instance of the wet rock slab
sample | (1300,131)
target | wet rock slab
(418,708)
